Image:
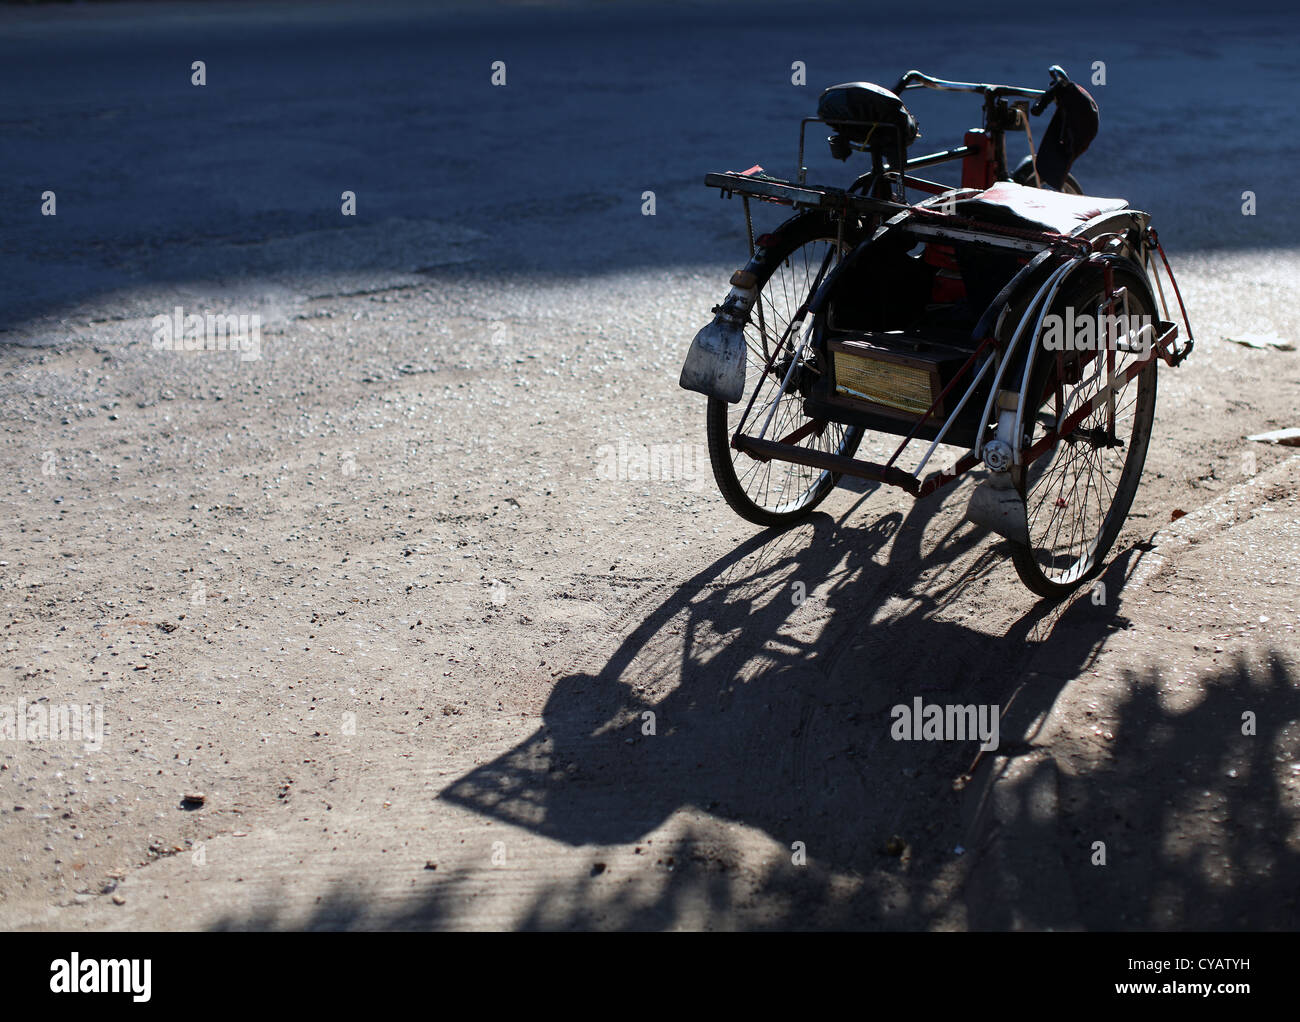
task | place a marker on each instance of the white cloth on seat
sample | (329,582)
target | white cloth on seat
(1017,205)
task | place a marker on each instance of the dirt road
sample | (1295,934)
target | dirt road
(397,596)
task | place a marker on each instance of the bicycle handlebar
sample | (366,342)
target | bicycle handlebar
(917,80)
(1042,97)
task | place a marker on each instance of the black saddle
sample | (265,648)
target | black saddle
(863,101)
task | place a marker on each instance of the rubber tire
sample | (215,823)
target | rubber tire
(1024,175)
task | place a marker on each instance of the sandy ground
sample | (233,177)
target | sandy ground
(376,597)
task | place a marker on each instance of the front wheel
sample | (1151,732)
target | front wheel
(1024,175)
(779,493)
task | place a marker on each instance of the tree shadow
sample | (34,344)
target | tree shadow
(774,714)
(1201,828)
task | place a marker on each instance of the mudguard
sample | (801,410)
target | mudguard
(715,363)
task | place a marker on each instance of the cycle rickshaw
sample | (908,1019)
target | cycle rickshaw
(1013,317)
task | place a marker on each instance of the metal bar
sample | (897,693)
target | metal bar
(964,234)
(771,361)
(937,480)
(1155,275)
(1055,280)
(939,400)
(952,417)
(803,171)
(1110,350)
(789,373)
(1033,156)
(1173,282)
(768,450)
(1051,282)
(917,162)
(806,430)
(921,184)
(803,340)
(781,342)
(1083,411)
(917,80)
(836,199)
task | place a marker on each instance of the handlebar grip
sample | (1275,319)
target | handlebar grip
(1059,78)
(904,81)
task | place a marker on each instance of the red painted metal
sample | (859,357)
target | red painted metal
(979,167)
(806,430)
(938,480)
(1174,357)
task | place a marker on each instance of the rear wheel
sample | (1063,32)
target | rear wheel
(779,493)
(1078,492)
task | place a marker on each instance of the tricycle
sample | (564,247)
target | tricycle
(1013,317)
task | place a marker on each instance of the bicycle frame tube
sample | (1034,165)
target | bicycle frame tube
(1053,283)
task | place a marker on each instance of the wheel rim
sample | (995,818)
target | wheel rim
(782,487)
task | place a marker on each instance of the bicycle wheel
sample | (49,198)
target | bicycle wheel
(1024,175)
(1078,492)
(779,493)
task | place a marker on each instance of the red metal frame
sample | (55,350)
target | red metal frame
(979,167)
